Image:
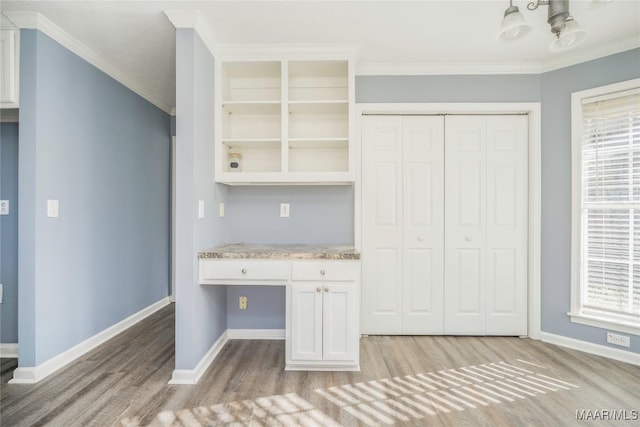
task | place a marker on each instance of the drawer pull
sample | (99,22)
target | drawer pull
(244,271)
(322,272)
(326,289)
(318,289)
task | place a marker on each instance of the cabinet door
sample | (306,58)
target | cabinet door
(382,225)
(306,321)
(423,224)
(340,308)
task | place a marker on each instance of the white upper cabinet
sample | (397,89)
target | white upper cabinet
(9,68)
(284,121)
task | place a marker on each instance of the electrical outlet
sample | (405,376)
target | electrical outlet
(4,207)
(284,210)
(200,209)
(242,303)
(221,209)
(618,339)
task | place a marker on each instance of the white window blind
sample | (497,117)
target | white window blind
(610,217)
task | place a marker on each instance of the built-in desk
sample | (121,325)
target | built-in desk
(323,296)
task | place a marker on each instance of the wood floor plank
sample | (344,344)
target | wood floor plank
(404,381)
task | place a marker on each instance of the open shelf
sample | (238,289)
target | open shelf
(310,145)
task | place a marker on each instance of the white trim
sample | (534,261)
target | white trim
(192,376)
(602,321)
(591,53)
(591,348)
(444,68)
(475,68)
(31,375)
(192,19)
(34,20)
(533,109)
(9,350)
(256,334)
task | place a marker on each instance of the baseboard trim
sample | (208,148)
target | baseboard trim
(192,376)
(31,375)
(9,350)
(588,347)
(256,334)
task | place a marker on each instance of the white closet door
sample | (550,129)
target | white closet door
(507,223)
(423,231)
(382,225)
(486,225)
(465,207)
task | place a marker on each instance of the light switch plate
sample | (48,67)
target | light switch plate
(52,209)
(221,209)
(4,207)
(200,209)
(284,210)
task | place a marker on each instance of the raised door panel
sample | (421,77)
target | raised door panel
(423,224)
(306,321)
(339,322)
(465,231)
(507,223)
(382,225)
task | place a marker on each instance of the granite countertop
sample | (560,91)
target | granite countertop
(281,251)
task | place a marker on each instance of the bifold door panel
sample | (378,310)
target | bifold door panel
(444,225)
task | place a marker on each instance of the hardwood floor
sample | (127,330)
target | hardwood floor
(448,381)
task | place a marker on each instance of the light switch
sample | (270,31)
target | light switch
(221,208)
(1,292)
(52,208)
(284,210)
(4,207)
(200,209)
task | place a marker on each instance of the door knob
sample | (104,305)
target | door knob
(326,289)
(318,289)
(322,272)
(420,239)
(467,238)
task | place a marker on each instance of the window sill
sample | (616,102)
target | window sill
(604,321)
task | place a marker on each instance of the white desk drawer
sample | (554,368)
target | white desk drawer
(244,270)
(324,270)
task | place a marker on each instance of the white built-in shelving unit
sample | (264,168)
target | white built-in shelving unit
(289,119)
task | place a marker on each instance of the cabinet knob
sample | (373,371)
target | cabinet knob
(420,239)
(326,289)
(467,238)
(322,272)
(318,289)
(244,271)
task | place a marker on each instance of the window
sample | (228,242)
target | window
(606,207)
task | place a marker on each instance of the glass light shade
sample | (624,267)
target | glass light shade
(513,25)
(571,36)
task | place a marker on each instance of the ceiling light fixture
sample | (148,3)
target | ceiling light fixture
(566,29)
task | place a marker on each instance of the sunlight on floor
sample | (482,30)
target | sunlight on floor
(384,401)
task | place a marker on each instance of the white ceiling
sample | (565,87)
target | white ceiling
(393,36)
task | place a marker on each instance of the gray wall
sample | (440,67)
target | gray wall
(318,214)
(557,87)
(201,311)
(103,152)
(9,232)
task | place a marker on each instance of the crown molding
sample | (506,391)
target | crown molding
(36,21)
(452,68)
(591,53)
(192,19)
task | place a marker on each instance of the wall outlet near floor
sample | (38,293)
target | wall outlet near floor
(284,210)
(4,207)
(618,339)
(242,303)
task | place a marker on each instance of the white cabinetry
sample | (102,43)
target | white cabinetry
(9,68)
(287,120)
(323,316)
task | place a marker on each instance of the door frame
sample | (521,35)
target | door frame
(533,110)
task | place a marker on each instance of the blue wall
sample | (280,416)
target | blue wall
(9,232)
(557,87)
(103,152)
(201,311)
